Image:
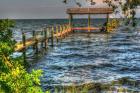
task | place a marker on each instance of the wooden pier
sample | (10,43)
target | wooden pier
(86,28)
(88,11)
(49,33)
(59,31)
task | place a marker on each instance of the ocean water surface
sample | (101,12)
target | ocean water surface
(83,58)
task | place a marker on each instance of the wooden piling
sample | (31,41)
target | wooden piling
(66,29)
(33,35)
(61,29)
(57,33)
(36,42)
(24,45)
(89,20)
(64,33)
(69,29)
(42,42)
(70,21)
(52,36)
(107,21)
(45,38)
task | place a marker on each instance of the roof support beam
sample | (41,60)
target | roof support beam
(107,21)
(89,10)
(89,22)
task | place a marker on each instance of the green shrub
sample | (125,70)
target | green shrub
(13,76)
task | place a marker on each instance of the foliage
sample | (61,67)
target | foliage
(112,24)
(13,76)
(128,8)
(6,44)
(5,30)
(19,81)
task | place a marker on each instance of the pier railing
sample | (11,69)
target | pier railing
(48,35)
(43,36)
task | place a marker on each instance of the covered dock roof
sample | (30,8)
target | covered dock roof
(89,10)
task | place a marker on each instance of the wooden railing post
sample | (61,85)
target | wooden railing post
(57,33)
(36,42)
(64,33)
(70,21)
(65,29)
(68,28)
(42,34)
(45,38)
(61,29)
(48,32)
(52,36)
(24,40)
(24,45)
(89,20)
(33,35)
(107,22)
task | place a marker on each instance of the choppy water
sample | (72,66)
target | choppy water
(81,58)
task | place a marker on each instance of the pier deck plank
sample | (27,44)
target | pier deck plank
(31,41)
(86,28)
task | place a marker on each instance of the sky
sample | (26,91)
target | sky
(39,9)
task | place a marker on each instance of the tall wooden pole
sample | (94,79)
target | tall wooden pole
(107,21)
(35,46)
(89,22)
(33,35)
(36,43)
(24,44)
(42,34)
(57,33)
(61,31)
(52,36)
(45,37)
(70,21)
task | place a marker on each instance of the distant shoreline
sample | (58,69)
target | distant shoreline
(64,18)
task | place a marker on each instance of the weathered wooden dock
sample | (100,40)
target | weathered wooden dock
(59,31)
(88,11)
(54,32)
(86,28)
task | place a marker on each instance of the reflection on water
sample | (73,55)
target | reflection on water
(96,58)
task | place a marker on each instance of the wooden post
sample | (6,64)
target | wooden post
(64,33)
(48,32)
(107,21)
(89,20)
(70,21)
(36,42)
(66,29)
(45,38)
(57,33)
(61,29)
(24,45)
(52,36)
(33,35)
(42,34)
